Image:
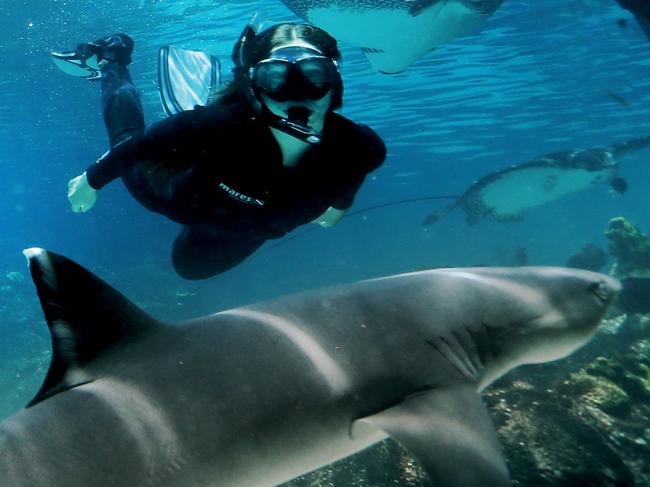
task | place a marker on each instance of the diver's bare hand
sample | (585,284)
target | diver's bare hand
(330,218)
(81,195)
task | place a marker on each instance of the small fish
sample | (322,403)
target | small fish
(617,98)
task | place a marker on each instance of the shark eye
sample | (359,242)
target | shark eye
(601,290)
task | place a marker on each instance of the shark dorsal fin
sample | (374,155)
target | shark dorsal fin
(85,316)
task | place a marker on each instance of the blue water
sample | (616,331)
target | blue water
(534,80)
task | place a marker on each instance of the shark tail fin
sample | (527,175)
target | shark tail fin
(629,146)
(84,314)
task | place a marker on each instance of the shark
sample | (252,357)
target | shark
(505,194)
(257,395)
(393,34)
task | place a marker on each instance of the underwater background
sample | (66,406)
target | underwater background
(539,76)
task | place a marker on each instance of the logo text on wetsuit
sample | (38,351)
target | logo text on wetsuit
(241,197)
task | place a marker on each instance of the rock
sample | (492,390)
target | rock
(630,246)
(591,257)
(548,442)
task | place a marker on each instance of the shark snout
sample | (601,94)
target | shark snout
(568,308)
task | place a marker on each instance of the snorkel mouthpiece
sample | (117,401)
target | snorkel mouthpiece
(299,114)
(297,125)
(296,128)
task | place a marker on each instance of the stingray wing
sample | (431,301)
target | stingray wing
(396,33)
(507,193)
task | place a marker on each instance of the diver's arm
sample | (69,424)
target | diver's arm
(171,141)
(330,218)
(370,154)
(81,194)
(155,142)
(115,162)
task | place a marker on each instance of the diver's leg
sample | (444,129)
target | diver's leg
(121,106)
(199,253)
(106,59)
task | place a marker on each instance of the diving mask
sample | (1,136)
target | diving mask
(292,73)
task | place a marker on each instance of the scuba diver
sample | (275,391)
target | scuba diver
(266,155)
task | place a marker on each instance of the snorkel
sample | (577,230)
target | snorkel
(298,129)
(296,122)
(246,37)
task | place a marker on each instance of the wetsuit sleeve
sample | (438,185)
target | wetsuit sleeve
(171,141)
(369,154)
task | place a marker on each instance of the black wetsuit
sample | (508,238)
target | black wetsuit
(218,171)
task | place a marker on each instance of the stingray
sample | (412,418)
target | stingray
(641,10)
(395,33)
(505,194)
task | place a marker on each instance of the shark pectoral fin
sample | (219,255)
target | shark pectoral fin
(85,316)
(450,433)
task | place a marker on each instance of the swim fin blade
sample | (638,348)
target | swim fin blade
(70,63)
(186,78)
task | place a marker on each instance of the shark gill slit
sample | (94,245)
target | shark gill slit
(481,344)
(457,353)
(467,346)
(438,349)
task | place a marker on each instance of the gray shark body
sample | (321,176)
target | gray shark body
(506,194)
(395,33)
(258,395)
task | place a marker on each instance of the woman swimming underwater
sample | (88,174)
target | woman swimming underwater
(267,155)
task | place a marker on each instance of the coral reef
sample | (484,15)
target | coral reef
(381,465)
(549,442)
(588,427)
(630,246)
